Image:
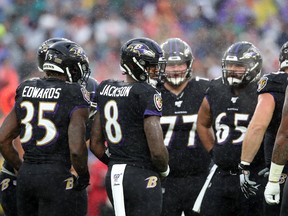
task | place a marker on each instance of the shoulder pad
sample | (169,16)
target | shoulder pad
(197,78)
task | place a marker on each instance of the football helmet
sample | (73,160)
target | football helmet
(177,52)
(283,56)
(68,58)
(138,55)
(41,53)
(241,54)
(91,88)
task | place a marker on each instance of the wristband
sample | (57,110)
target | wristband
(245,163)
(165,173)
(275,172)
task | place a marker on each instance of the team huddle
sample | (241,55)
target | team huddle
(174,143)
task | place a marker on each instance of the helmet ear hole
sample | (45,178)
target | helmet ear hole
(143,76)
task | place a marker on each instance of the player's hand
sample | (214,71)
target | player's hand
(164,174)
(264,172)
(81,182)
(248,187)
(272,193)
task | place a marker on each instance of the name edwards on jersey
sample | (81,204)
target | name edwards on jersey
(34,92)
(113,91)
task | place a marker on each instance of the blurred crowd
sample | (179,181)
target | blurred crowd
(100,27)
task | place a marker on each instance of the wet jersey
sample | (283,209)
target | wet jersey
(187,155)
(274,84)
(231,116)
(44,108)
(123,107)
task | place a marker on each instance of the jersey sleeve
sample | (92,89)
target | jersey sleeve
(80,98)
(152,100)
(272,83)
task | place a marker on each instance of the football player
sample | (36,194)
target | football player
(222,122)
(128,118)
(49,115)
(8,175)
(271,95)
(278,168)
(188,160)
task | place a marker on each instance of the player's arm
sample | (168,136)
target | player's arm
(97,140)
(257,127)
(204,125)
(77,140)
(279,158)
(158,151)
(8,132)
(280,151)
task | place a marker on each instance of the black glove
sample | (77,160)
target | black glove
(264,172)
(248,187)
(81,182)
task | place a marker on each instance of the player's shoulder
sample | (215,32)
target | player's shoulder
(92,84)
(271,82)
(29,81)
(215,82)
(110,82)
(143,88)
(201,81)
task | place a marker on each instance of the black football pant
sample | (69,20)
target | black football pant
(224,197)
(180,193)
(46,190)
(134,191)
(8,194)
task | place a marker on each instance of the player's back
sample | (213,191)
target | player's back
(123,107)
(44,107)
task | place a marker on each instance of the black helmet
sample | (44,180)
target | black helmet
(68,58)
(283,56)
(177,52)
(41,53)
(91,88)
(244,54)
(138,54)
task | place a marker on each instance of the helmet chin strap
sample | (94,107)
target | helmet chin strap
(126,70)
(69,75)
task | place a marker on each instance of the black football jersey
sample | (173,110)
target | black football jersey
(187,155)
(43,108)
(274,84)
(231,116)
(123,107)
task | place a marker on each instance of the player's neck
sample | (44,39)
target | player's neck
(56,75)
(176,89)
(129,79)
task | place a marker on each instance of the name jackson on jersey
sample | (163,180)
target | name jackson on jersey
(34,92)
(113,91)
